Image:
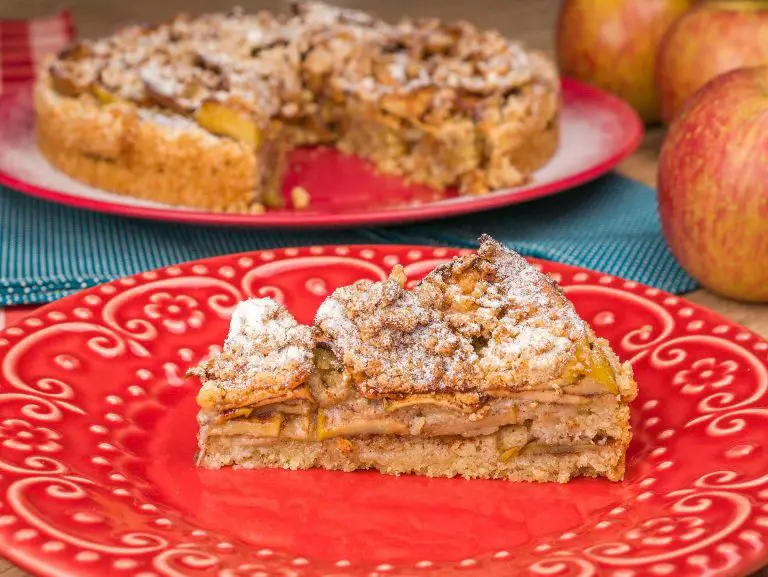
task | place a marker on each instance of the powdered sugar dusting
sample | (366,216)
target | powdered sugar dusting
(164,84)
(267,61)
(268,336)
(393,343)
(480,322)
(530,328)
(175,124)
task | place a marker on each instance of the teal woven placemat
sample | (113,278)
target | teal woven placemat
(48,251)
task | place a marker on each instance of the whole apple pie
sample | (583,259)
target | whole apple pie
(203,111)
(483,369)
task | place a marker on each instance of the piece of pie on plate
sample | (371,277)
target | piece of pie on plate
(483,370)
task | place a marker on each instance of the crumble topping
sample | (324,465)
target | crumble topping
(391,343)
(525,326)
(266,354)
(430,53)
(486,324)
(481,322)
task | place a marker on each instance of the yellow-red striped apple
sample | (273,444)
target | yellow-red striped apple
(613,43)
(713,185)
(714,37)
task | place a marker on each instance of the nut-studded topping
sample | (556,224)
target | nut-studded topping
(462,70)
(181,89)
(487,324)
(522,326)
(390,343)
(75,69)
(322,15)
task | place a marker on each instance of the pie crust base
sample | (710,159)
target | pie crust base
(474,457)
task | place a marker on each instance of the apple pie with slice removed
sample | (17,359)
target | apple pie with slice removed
(482,370)
(203,111)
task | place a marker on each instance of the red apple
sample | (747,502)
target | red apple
(713,38)
(713,185)
(613,43)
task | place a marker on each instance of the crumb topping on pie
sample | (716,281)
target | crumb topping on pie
(426,69)
(390,342)
(522,325)
(444,105)
(266,354)
(488,321)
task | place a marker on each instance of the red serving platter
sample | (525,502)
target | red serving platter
(597,131)
(97,427)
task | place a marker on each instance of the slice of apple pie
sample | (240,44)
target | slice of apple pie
(483,369)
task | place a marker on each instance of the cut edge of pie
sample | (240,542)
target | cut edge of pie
(482,370)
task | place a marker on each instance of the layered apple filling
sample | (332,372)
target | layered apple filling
(328,407)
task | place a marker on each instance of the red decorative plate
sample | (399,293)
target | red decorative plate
(598,131)
(97,429)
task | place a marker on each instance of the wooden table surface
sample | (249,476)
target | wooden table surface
(529,20)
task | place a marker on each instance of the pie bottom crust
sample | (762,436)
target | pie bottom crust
(471,457)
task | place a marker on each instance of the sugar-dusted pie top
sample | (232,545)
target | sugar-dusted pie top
(526,326)
(266,354)
(390,342)
(416,55)
(485,322)
(488,323)
(282,66)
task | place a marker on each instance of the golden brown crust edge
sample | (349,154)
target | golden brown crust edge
(113,148)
